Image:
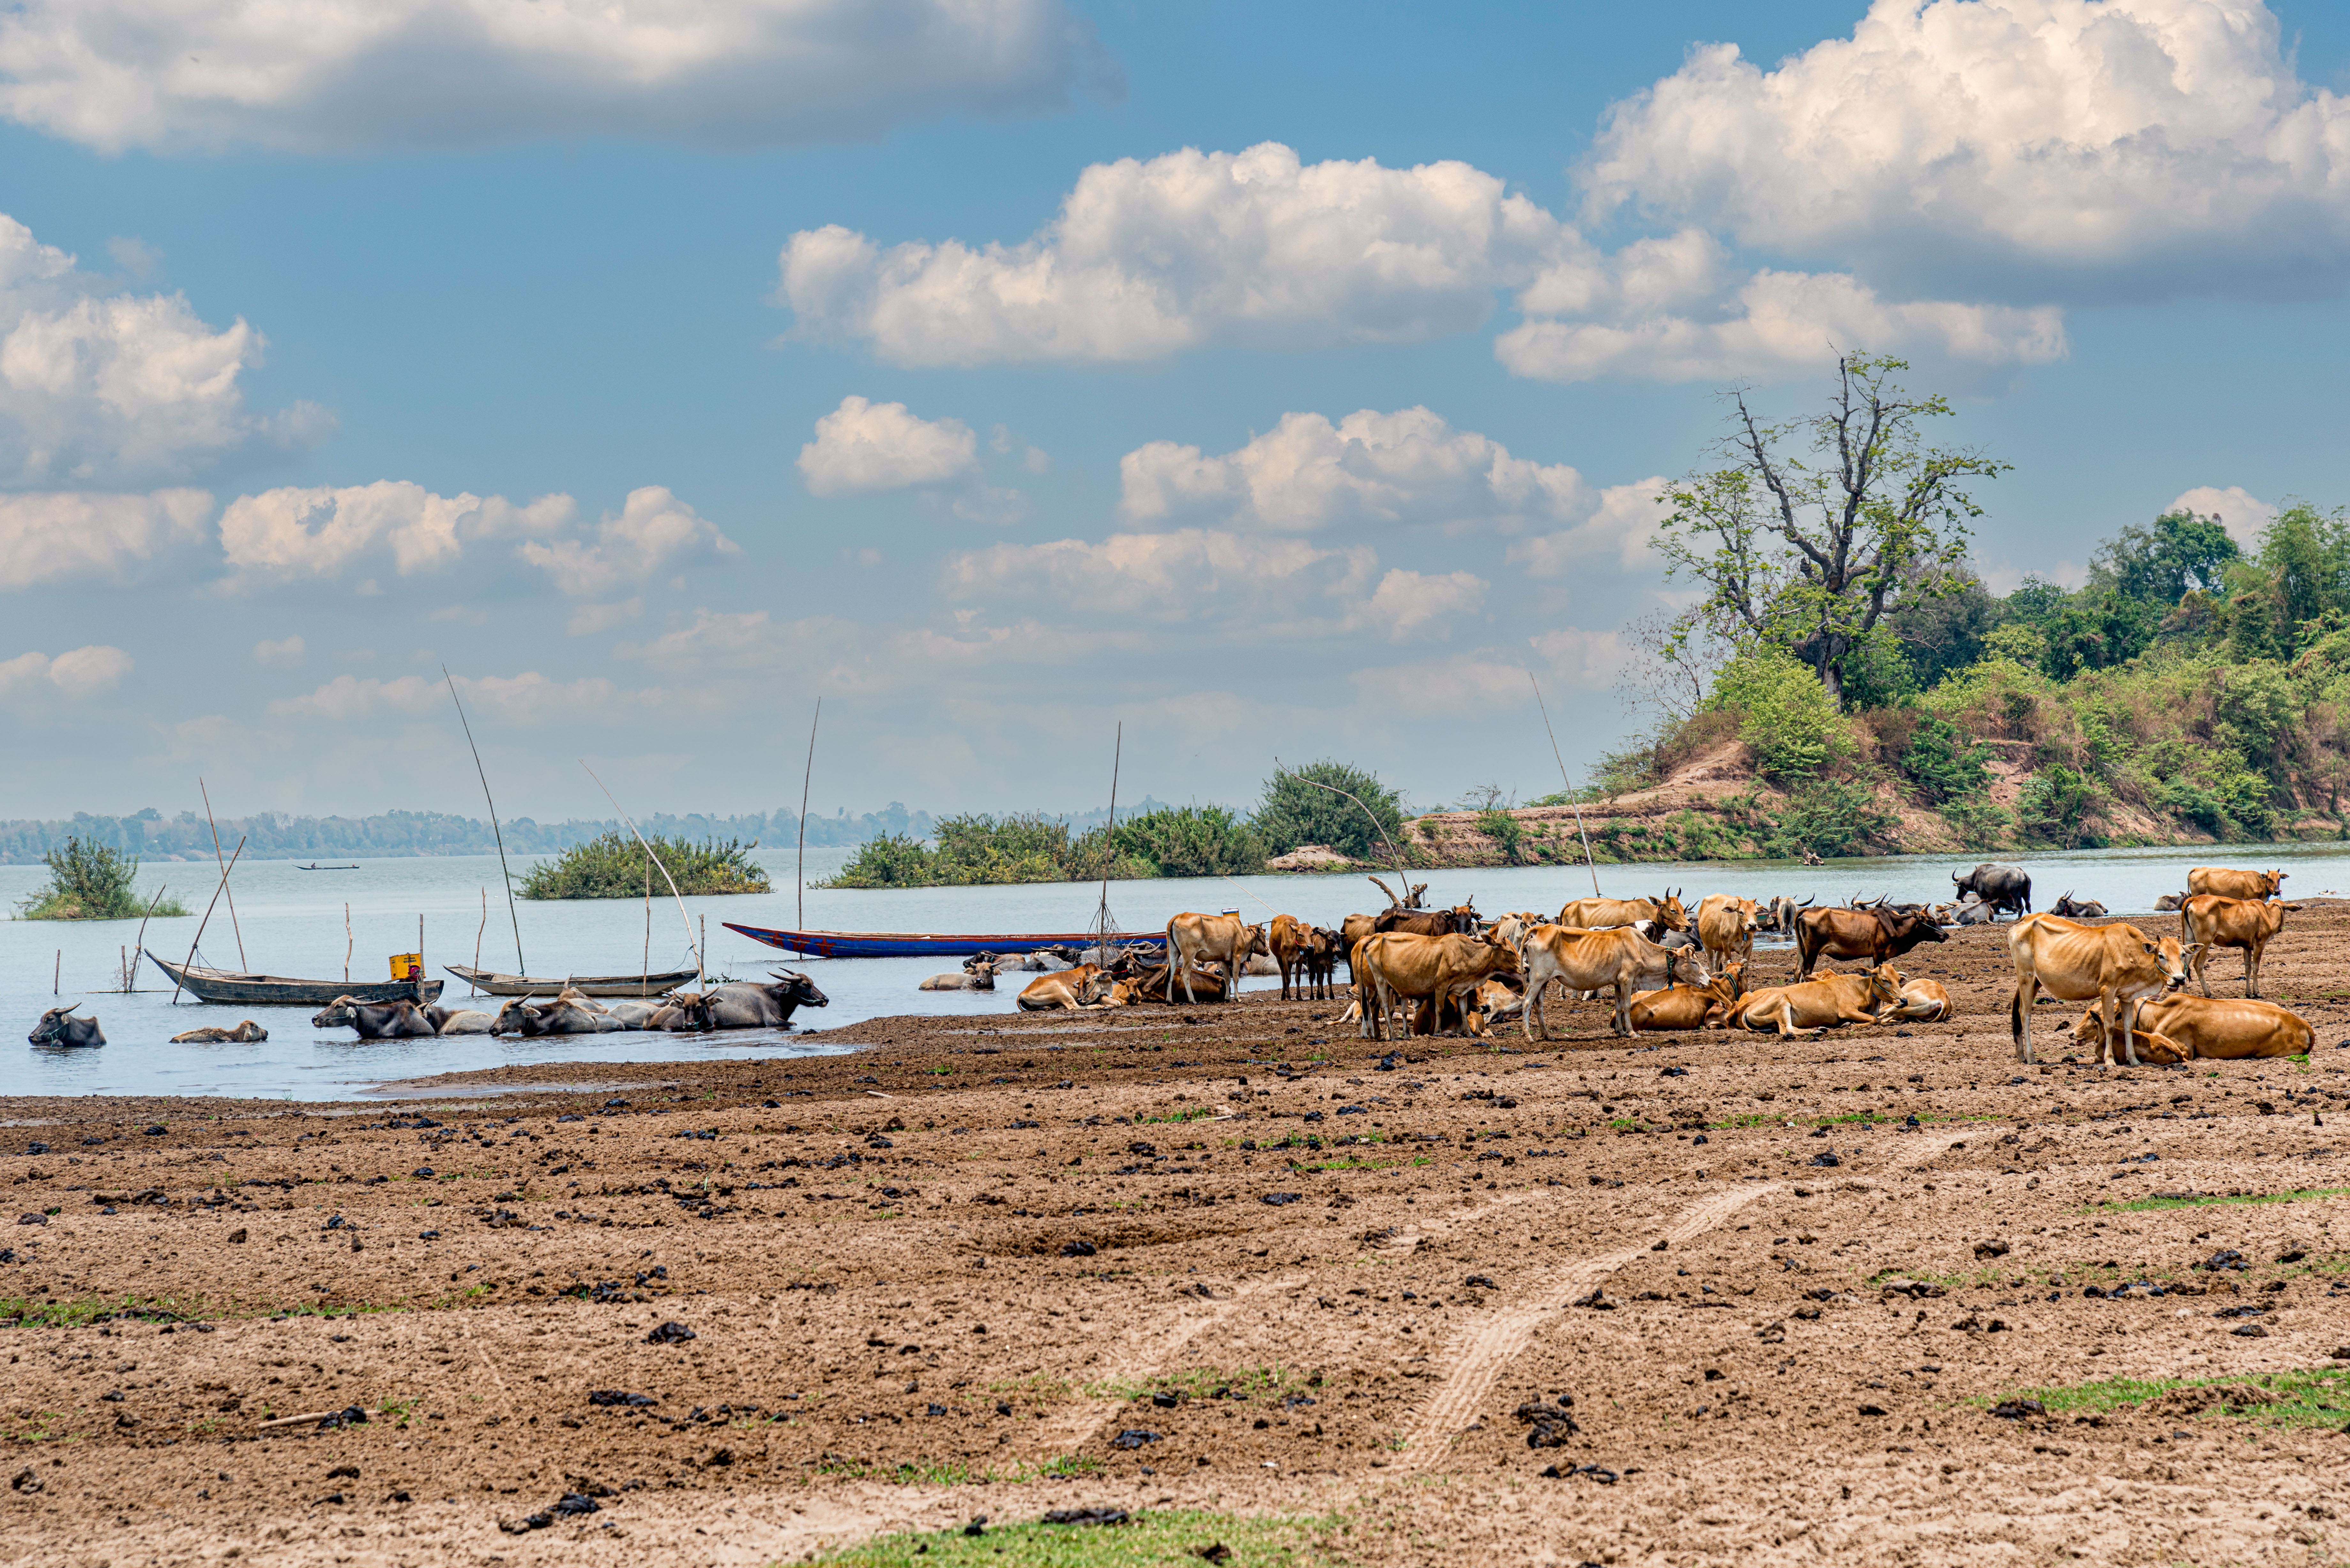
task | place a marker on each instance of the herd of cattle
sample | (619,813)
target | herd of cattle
(1670,967)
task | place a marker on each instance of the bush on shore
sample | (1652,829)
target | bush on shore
(614,867)
(93,881)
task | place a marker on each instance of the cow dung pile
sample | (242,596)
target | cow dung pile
(1692,1297)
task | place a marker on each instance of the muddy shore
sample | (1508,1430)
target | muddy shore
(1231,1259)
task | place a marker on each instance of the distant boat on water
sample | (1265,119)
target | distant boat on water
(314,866)
(274,990)
(923,944)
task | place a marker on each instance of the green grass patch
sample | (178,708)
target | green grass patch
(2315,1398)
(1190,1116)
(80,1312)
(2140,1205)
(1174,1537)
(1198,1382)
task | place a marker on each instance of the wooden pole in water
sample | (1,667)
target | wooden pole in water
(1564,783)
(57,975)
(471,987)
(141,945)
(419,980)
(800,875)
(522,966)
(644,981)
(347,944)
(241,963)
(208,920)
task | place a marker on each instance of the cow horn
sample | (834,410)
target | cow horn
(63,1010)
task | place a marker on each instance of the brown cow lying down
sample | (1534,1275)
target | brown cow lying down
(1922,1001)
(1679,1007)
(245,1034)
(1204,981)
(1811,1006)
(2179,1028)
(1062,989)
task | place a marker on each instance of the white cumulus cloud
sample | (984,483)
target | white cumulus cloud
(78,672)
(1409,466)
(652,533)
(2145,143)
(321,531)
(1260,249)
(528,699)
(72,536)
(863,446)
(2245,515)
(100,387)
(283,650)
(1619,527)
(311,76)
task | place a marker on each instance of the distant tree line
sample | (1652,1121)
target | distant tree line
(150,836)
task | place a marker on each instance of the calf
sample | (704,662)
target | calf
(56,1029)
(1321,960)
(1922,1001)
(2118,965)
(246,1034)
(2207,920)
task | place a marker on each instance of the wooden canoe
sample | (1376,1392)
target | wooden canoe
(278,990)
(921,944)
(646,985)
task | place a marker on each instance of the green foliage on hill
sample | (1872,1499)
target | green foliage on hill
(614,865)
(2188,687)
(89,881)
(1330,803)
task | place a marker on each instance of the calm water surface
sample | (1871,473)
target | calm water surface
(292,923)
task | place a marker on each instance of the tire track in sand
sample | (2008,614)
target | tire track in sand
(1065,1432)
(1480,1360)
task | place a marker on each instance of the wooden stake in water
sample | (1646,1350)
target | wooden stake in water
(800,876)
(419,982)
(217,860)
(57,976)
(472,989)
(1564,783)
(644,975)
(139,946)
(347,944)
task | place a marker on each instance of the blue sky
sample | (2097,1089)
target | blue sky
(563,362)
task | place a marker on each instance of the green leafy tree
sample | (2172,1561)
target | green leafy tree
(1817,527)
(1941,764)
(1192,841)
(1330,803)
(93,881)
(614,866)
(1784,716)
(2160,564)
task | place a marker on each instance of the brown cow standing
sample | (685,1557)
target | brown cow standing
(2119,966)
(1878,935)
(2207,921)
(1289,938)
(2232,883)
(1601,914)
(1725,928)
(1195,939)
(1401,966)
(1594,961)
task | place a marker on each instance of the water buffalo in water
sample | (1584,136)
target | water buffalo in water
(2071,909)
(461,1020)
(1999,885)
(402,1020)
(245,1034)
(745,1005)
(56,1029)
(568,1014)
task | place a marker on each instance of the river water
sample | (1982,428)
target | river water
(293,923)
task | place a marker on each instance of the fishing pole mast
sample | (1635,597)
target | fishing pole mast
(1566,784)
(799,877)
(521,966)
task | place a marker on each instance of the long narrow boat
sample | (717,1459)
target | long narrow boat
(921,944)
(273,990)
(498,984)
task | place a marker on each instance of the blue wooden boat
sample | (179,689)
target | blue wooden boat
(919,944)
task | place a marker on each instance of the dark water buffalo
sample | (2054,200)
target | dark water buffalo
(56,1029)
(2071,908)
(1878,935)
(246,1034)
(375,1020)
(745,1005)
(2001,887)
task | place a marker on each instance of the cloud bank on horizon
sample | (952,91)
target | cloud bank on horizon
(1963,182)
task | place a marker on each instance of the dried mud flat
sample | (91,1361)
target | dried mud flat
(1231,1260)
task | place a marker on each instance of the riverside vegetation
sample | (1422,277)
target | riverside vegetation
(90,881)
(614,865)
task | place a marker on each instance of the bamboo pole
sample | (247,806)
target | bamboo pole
(1564,783)
(347,944)
(241,961)
(208,920)
(644,980)
(683,917)
(472,988)
(800,875)
(522,966)
(141,945)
